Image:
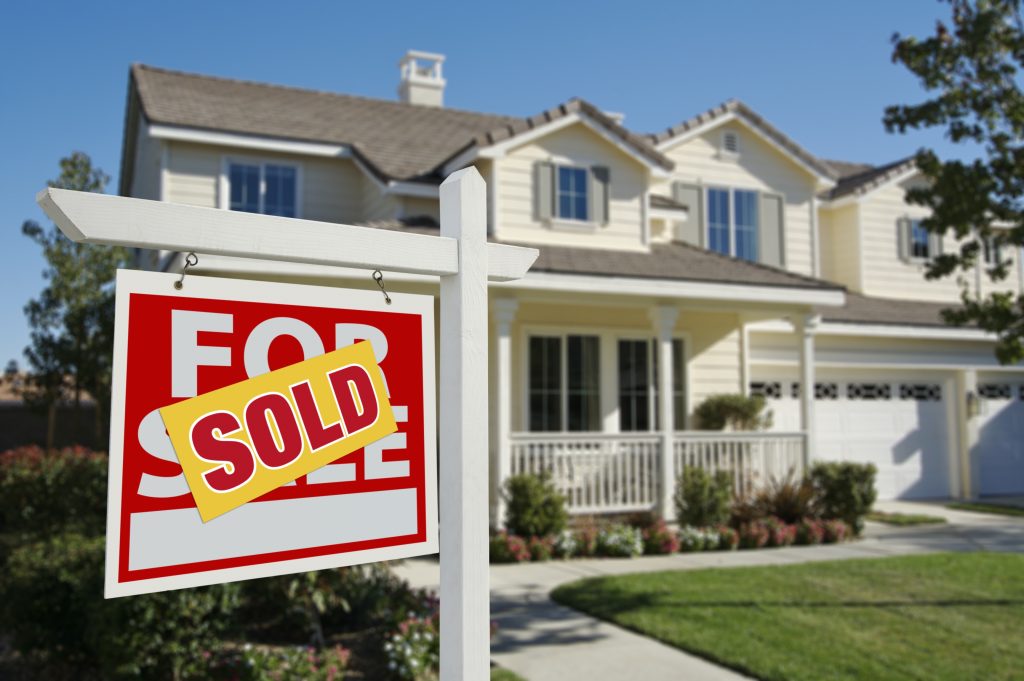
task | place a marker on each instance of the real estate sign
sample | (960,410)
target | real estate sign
(351,407)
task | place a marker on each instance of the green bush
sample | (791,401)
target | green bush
(47,493)
(702,499)
(535,507)
(52,607)
(741,412)
(846,491)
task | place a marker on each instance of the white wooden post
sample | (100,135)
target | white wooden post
(504,315)
(465,593)
(664,318)
(805,330)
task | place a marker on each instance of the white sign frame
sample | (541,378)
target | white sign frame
(464,262)
(216,288)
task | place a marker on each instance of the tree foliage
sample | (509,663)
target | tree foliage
(72,319)
(972,70)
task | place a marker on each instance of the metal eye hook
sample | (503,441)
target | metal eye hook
(191,260)
(379,278)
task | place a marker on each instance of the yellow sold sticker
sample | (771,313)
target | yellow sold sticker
(242,441)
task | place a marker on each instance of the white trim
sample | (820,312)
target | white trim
(720,291)
(678,215)
(824,180)
(815,238)
(501,149)
(231,139)
(879,331)
(414,189)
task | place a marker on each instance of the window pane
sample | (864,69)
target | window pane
(584,391)
(572,193)
(545,389)
(244,187)
(679,384)
(280,196)
(718,221)
(746,224)
(918,240)
(634,388)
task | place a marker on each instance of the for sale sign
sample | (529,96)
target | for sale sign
(354,420)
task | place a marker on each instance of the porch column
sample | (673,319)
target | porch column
(664,318)
(504,315)
(806,327)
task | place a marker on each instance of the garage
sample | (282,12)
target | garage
(1000,451)
(902,423)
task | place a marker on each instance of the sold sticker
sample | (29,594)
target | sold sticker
(239,442)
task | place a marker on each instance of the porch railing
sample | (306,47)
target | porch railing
(754,458)
(597,473)
(609,473)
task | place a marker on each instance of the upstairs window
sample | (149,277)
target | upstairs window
(267,188)
(733,222)
(917,244)
(573,198)
(993,251)
(920,243)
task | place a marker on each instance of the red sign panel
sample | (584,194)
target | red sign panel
(377,503)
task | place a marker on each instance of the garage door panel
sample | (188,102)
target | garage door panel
(898,423)
(1000,450)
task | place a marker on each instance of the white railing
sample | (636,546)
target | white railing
(597,473)
(754,458)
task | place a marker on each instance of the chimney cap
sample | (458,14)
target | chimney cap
(420,54)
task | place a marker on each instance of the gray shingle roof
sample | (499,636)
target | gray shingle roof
(859,178)
(860,309)
(397,140)
(677,261)
(741,109)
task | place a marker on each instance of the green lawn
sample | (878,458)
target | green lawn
(998,509)
(905,519)
(499,674)
(941,617)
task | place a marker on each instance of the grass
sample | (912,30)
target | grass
(905,519)
(998,509)
(943,617)
(499,674)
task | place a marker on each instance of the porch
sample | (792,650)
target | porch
(621,473)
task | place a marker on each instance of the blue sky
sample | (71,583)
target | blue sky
(820,71)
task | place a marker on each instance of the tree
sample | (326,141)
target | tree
(72,320)
(973,68)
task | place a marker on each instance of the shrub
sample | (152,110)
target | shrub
(810,531)
(728,538)
(291,663)
(47,493)
(619,541)
(535,507)
(753,535)
(509,548)
(691,539)
(779,532)
(740,412)
(541,548)
(702,499)
(659,539)
(788,499)
(836,531)
(52,606)
(847,491)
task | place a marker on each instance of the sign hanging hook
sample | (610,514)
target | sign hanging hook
(191,260)
(379,278)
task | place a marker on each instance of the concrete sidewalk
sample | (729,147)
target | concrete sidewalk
(542,641)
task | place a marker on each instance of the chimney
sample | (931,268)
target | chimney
(421,81)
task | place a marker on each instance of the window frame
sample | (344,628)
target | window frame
(224,183)
(563,378)
(557,189)
(732,230)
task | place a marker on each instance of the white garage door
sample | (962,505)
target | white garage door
(902,424)
(1000,451)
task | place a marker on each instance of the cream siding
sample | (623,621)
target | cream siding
(375,204)
(840,246)
(413,206)
(146,168)
(330,188)
(760,167)
(575,145)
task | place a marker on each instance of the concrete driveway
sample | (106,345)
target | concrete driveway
(541,640)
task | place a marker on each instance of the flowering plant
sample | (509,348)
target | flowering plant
(414,651)
(836,531)
(541,548)
(810,531)
(728,538)
(292,663)
(565,545)
(508,548)
(753,535)
(659,539)
(779,533)
(619,541)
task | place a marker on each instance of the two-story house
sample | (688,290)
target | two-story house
(717,256)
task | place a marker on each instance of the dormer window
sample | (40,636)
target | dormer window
(573,198)
(993,251)
(920,243)
(915,243)
(267,188)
